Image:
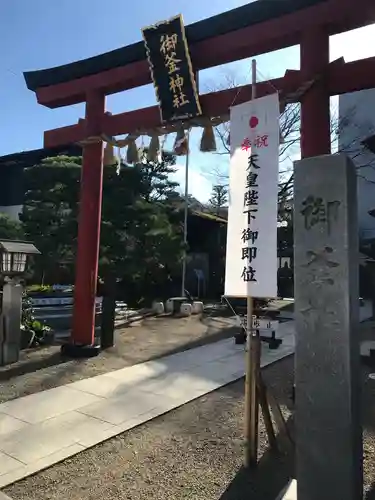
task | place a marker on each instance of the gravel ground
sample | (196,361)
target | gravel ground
(194,452)
(40,369)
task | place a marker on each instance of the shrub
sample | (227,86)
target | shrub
(35,331)
(39,288)
(50,288)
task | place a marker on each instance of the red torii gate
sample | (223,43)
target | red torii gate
(247,31)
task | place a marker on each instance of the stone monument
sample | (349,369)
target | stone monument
(326,259)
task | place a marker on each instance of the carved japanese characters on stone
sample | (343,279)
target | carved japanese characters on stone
(319,212)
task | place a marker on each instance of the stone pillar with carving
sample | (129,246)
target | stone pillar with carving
(328,426)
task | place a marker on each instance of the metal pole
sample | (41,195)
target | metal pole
(252,361)
(186,209)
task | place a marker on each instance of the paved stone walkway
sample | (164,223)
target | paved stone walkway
(290,492)
(42,429)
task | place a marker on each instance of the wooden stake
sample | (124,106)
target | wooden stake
(284,433)
(251,393)
(263,400)
(255,389)
(252,365)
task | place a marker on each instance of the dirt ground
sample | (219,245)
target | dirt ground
(194,452)
(44,368)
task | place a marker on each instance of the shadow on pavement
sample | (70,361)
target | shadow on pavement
(24,367)
(263,483)
(41,358)
(223,334)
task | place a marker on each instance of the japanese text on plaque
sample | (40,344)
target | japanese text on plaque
(171,70)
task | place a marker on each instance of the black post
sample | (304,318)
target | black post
(108,311)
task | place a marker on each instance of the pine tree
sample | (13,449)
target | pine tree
(50,210)
(10,229)
(141,233)
(219,198)
(156,177)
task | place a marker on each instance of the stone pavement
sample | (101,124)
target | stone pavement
(42,429)
(290,492)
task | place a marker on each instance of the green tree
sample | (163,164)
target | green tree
(219,198)
(149,228)
(10,229)
(140,232)
(157,184)
(50,212)
(154,250)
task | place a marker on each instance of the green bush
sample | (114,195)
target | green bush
(48,289)
(39,288)
(34,330)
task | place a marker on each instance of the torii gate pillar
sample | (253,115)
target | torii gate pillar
(309,24)
(315,141)
(90,207)
(315,104)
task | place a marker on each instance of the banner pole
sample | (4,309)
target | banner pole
(252,361)
(186,211)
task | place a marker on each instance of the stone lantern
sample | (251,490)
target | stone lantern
(13,266)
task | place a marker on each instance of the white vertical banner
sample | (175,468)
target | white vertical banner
(251,256)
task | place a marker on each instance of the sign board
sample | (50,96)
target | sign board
(251,256)
(63,288)
(57,301)
(261,324)
(171,70)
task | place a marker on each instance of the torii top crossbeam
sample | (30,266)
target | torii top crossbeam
(256,28)
(259,27)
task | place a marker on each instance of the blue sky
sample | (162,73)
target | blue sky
(44,33)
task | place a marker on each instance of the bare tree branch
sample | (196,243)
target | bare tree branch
(289,131)
(290,124)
